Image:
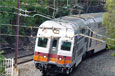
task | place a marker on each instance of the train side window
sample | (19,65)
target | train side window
(66,46)
(42,42)
(82,31)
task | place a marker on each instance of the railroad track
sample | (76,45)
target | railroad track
(20,59)
(29,57)
(25,58)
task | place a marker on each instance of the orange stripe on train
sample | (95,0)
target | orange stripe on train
(40,58)
(52,57)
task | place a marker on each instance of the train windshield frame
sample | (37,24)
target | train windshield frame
(42,42)
(66,46)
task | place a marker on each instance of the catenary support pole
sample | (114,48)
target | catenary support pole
(17,32)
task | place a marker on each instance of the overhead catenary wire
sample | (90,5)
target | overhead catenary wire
(52,28)
(27,4)
(24,26)
(26,11)
(17,35)
(40,15)
(20,26)
(26,15)
(58,28)
(48,28)
(8,12)
(31,36)
(97,39)
(46,6)
(35,4)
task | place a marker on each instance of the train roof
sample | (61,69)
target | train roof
(73,22)
(68,21)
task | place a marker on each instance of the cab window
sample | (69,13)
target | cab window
(66,46)
(42,42)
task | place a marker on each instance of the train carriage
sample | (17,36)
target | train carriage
(59,48)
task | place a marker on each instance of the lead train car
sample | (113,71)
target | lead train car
(59,49)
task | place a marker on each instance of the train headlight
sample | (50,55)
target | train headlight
(44,56)
(55,31)
(60,59)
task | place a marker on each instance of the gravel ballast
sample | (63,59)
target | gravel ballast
(100,64)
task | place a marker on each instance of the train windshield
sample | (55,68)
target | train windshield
(66,46)
(42,42)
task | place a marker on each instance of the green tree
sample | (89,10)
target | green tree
(109,21)
(8,10)
(8,14)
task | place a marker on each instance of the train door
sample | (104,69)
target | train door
(87,39)
(53,50)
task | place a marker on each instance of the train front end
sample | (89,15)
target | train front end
(53,48)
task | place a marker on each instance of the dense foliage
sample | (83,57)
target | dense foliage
(48,8)
(8,14)
(109,21)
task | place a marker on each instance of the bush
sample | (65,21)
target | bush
(109,21)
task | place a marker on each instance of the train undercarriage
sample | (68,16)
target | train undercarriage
(52,69)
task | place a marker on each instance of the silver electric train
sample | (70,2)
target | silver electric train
(59,48)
